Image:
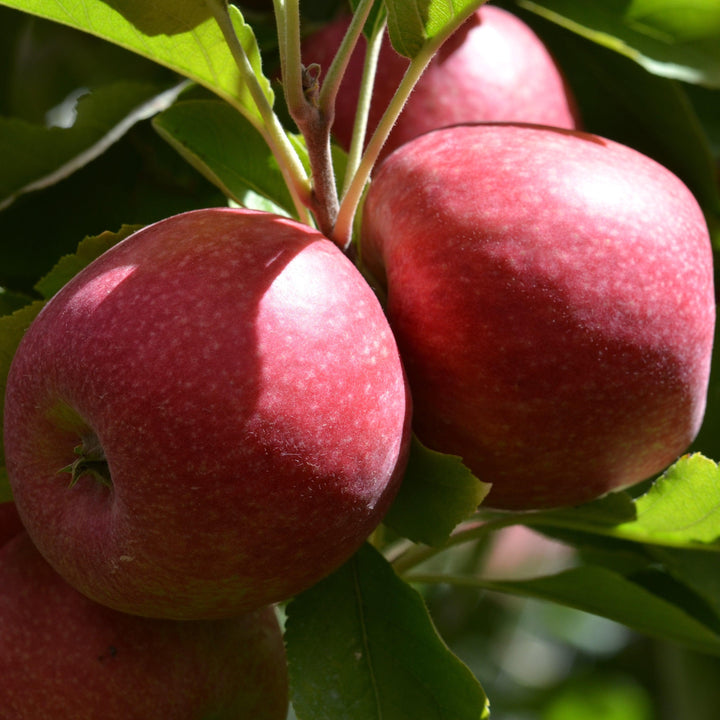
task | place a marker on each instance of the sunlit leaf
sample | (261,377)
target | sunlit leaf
(616,697)
(681,509)
(412,23)
(683,506)
(677,40)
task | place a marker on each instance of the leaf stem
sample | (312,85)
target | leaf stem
(287,18)
(410,557)
(367,84)
(352,196)
(355,188)
(270,127)
(334,74)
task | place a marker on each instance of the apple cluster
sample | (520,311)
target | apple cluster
(217,412)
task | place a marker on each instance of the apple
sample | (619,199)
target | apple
(10,523)
(227,400)
(552,296)
(494,67)
(65,656)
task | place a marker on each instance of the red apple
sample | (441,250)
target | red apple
(10,523)
(494,67)
(552,297)
(64,656)
(240,409)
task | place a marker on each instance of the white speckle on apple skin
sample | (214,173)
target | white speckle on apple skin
(552,296)
(250,399)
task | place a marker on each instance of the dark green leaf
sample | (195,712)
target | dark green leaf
(436,494)
(47,64)
(179,34)
(609,594)
(699,571)
(70,265)
(11,301)
(361,646)
(706,103)
(139,180)
(35,157)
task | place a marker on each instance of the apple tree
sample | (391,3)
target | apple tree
(117,114)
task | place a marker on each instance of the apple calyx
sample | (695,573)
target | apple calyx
(90,461)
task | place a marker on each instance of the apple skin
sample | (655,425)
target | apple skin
(64,656)
(493,68)
(247,391)
(552,297)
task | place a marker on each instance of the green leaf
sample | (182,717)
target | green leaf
(436,494)
(247,40)
(35,157)
(705,102)
(614,696)
(681,509)
(412,24)
(179,34)
(140,179)
(48,64)
(11,301)
(70,265)
(609,594)
(677,40)
(226,148)
(361,646)
(12,329)
(682,506)
(698,571)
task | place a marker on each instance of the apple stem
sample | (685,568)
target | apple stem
(315,124)
(269,124)
(313,109)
